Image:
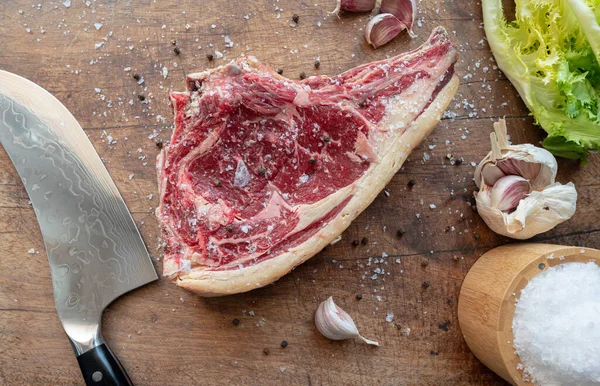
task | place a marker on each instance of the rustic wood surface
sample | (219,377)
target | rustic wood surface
(166,336)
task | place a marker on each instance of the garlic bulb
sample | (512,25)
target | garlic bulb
(335,324)
(518,195)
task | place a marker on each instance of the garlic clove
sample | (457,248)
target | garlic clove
(542,211)
(354,6)
(518,167)
(383,28)
(335,323)
(491,174)
(404,10)
(539,212)
(508,192)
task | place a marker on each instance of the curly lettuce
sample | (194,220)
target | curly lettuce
(551,54)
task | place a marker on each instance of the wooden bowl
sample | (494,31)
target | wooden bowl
(487,299)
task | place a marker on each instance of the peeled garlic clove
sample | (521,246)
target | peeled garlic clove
(335,324)
(404,10)
(354,6)
(383,28)
(537,213)
(508,192)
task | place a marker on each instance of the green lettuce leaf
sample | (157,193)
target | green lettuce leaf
(551,54)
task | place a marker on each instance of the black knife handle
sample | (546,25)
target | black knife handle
(100,367)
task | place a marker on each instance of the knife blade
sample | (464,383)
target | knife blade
(95,250)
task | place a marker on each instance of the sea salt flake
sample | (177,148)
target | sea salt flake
(98,26)
(242,175)
(67,3)
(389,317)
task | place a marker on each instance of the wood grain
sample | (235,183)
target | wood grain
(166,336)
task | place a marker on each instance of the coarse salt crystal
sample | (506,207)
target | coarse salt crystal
(389,317)
(242,175)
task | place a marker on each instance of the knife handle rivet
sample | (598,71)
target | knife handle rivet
(97,376)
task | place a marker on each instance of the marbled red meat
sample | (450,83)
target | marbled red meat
(258,164)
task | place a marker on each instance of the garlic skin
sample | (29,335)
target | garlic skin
(354,6)
(518,195)
(404,10)
(383,28)
(335,324)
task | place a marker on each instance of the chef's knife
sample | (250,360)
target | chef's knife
(95,250)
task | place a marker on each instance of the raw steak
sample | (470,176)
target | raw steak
(262,172)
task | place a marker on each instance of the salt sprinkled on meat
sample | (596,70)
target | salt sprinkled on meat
(242,176)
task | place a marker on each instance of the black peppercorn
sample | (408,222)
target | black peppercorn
(400,232)
(426,284)
(295,18)
(312,160)
(411,183)
(141,97)
(159,144)
(359,297)
(326,139)
(218,183)
(355,243)
(302,75)
(137,76)
(176,50)
(210,57)
(280,71)
(236,322)
(364,241)
(317,64)
(262,171)
(284,343)
(266,351)
(425,263)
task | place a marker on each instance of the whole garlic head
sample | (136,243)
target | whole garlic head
(518,195)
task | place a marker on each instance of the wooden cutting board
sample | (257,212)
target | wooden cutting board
(87,56)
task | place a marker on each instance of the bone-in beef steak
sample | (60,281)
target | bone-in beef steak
(262,172)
